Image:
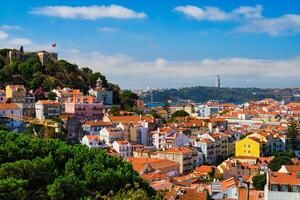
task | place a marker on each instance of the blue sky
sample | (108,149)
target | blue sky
(165,43)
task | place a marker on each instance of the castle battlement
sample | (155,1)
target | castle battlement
(44,56)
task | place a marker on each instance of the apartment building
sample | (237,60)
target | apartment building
(109,135)
(10,109)
(62,95)
(15,93)
(168,138)
(84,108)
(46,109)
(182,155)
(123,147)
(282,186)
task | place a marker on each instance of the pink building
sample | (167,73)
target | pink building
(85,108)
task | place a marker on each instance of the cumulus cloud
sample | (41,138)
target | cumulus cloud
(216,14)
(164,72)
(286,24)
(249,19)
(88,12)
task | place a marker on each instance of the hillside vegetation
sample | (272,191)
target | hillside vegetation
(35,168)
(29,72)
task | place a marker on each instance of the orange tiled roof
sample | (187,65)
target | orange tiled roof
(93,137)
(10,106)
(97,123)
(180,150)
(128,119)
(292,168)
(122,142)
(156,163)
(253,194)
(229,183)
(204,169)
(283,178)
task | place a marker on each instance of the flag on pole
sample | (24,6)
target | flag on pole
(53,45)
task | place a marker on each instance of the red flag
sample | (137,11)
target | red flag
(53,45)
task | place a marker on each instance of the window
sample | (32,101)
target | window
(274,187)
(284,188)
(12,112)
(294,188)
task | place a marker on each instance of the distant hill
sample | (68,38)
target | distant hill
(203,94)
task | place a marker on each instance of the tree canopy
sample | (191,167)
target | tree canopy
(36,168)
(259,182)
(292,135)
(278,161)
(180,113)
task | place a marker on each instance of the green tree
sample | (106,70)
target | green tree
(37,168)
(259,182)
(52,96)
(277,162)
(292,134)
(12,188)
(67,187)
(127,99)
(179,113)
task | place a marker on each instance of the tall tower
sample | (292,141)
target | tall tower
(218,81)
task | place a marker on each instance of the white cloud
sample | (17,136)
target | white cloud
(164,72)
(206,13)
(107,29)
(9,27)
(249,19)
(18,42)
(216,14)
(3,35)
(88,12)
(247,12)
(284,25)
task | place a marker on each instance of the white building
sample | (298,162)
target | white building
(109,135)
(45,109)
(282,186)
(123,147)
(92,141)
(169,138)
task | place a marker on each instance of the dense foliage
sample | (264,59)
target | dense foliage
(292,134)
(34,168)
(203,94)
(180,113)
(278,161)
(259,181)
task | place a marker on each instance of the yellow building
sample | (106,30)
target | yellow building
(16,93)
(249,147)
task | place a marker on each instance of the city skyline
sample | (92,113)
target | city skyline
(165,44)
